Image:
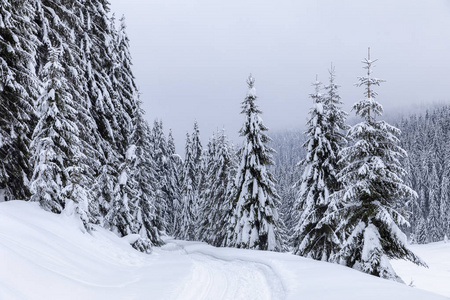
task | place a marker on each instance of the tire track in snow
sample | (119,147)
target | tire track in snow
(213,278)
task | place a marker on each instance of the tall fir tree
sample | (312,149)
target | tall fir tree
(434,223)
(143,174)
(372,185)
(315,234)
(19,88)
(215,201)
(335,133)
(192,174)
(421,233)
(58,25)
(174,181)
(444,204)
(57,155)
(96,42)
(256,222)
(159,154)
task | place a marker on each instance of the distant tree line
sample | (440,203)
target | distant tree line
(426,138)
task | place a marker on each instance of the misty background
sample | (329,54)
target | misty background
(191,58)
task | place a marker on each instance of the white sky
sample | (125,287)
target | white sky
(192,57)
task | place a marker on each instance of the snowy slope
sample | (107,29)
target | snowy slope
(47,256)
(437,277)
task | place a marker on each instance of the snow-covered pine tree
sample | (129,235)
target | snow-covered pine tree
(57,157)
(96,41)
(183,213)
(421,233)
(174,167)
(18,89)
(119,218)
(159,154)
(205,187)
(59,24)
(257,224)
(192,174)
(315,236)
(444,204)
(197,155)
(434,223)
(335,134)
(372,184)
(215,202)
(62,23)
(143,175)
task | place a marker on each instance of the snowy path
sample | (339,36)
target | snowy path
(215,278)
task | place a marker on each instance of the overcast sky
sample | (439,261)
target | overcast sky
(192,57)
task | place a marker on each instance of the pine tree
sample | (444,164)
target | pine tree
(143,174)
(57,157)
(124,91)
(159,154)
(314,236)
(18,90)
(215,202)
(257,224)
(58,25)
(434,223)
(96,40)
(421,232)
(372,185)
(174,181)
(335,118)
(187,217)
(444,204)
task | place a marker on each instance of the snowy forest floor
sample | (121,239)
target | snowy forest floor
(47,256)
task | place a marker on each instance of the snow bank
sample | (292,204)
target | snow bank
(47,256)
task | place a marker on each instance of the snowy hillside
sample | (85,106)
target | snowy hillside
(437,277)
(47,256)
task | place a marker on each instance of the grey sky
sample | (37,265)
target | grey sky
(192,57)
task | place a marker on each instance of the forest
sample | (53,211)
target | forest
(73,138)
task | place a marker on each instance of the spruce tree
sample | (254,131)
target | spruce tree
(192,174)
(315,236)
(19,88)
(57,156)
(159,155)
(215,202)
(421,231)
(59,25)
(174,181)
(143,174)
(256,222)
(372,185)
(434,222)
(444,204)
(96,42)
(335,132)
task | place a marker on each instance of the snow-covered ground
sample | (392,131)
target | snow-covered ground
(437,277)
(47,256)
